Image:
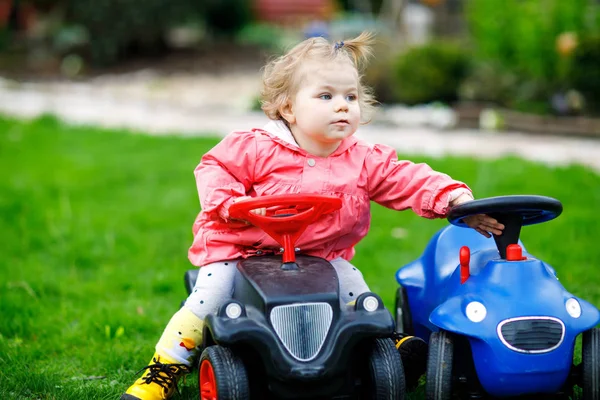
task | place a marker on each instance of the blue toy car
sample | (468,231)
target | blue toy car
(498,321)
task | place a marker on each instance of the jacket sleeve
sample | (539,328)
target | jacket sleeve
(400,184)
(226,172)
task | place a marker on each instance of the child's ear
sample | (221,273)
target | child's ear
(287,112)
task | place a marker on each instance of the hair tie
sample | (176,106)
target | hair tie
(339,45)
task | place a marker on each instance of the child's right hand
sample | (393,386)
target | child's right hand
(258,211)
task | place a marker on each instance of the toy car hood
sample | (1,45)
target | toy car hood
(509,289)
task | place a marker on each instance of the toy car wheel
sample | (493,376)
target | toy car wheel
(222,375)
(402,313)
(439,367)
(590,355)
(385,373)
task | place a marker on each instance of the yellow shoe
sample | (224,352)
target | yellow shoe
(159,382)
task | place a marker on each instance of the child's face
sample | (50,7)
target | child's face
(325,109)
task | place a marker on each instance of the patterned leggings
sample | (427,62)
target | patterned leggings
(215,285)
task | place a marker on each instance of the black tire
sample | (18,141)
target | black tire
(439,367)
(590,360)
(385,373)
(189,279)
(402,313)
(413,353)
(230,374)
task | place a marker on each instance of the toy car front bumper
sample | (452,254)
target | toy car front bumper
(505,372)
(333,359)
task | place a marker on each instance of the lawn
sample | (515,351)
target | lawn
(94,231)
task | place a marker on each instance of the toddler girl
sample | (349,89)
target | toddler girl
(316,101)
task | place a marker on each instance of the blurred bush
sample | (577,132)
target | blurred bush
(585,75)
(118,28)
(530,47)
(378,76)
(432,72)
(521,34)
(489,82)
(268,36)
(378,73)
(227,17)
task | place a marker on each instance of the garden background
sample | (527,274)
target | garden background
(95,222)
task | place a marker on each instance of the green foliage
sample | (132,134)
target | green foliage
(521,36)
(118,28)
(95,226)
(265,35)
(374,6)
(491,83)
(429,73)
(586,70)
(227,16)
(5,38)
(378,74)
(256,103)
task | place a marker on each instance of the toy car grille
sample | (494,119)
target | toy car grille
(532,334)
(302,328)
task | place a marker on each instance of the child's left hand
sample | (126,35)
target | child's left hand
(482,223)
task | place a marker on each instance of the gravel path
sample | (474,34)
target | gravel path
(209,104)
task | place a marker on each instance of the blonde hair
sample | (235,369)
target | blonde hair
(279,83)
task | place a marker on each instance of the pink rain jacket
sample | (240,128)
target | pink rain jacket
(260,162)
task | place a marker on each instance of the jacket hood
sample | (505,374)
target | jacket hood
(280,130)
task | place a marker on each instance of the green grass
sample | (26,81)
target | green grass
(94,231)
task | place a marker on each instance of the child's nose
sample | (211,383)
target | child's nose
(341,105)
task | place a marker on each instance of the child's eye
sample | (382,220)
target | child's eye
(351,97)
(325,96)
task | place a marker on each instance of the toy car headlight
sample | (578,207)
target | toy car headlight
(573,307)
(475,311)
(232,310)
(368,302)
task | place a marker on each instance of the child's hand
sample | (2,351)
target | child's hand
(482,223)
(258,211)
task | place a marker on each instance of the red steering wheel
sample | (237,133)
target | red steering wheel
(287,217)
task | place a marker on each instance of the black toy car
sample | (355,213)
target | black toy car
(285,333)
